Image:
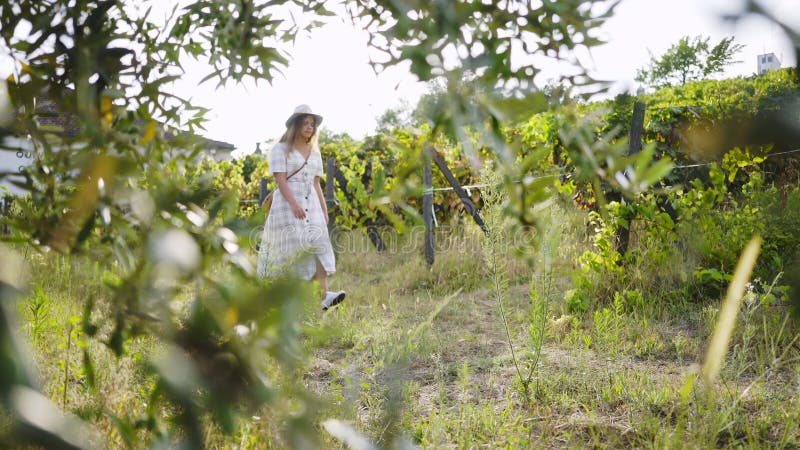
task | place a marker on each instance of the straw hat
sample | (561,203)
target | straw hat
(301,111)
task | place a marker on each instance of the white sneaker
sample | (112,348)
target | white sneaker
(332,299)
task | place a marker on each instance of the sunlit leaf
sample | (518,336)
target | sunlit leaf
(718,343)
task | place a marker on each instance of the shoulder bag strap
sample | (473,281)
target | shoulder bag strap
(290,176)
(298,170)
(305,161)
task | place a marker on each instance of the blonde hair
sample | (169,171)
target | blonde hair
(294,127)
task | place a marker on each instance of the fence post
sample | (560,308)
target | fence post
(330,202)
(637,128)
(5,208)
(462,194)
(427,206)
(263,191)
(623,234)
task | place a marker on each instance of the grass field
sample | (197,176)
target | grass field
(479,351)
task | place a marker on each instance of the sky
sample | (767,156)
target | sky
(330,70)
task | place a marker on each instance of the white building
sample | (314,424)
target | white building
(219,150)
(767,62)
(17,152)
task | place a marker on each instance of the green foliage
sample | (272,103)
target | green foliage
(166,227)
(422,33)
(124,185)
(235,36)
(698,122)
(713,224)
(689,61)
(702,121)
(738,159)
(398,117)
(481,91)
(169,233)
(37,312)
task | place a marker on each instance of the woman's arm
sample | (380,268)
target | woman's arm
(321,197)
(283,186)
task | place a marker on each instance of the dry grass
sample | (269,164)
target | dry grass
(422,353)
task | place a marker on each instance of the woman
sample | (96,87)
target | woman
(296,234)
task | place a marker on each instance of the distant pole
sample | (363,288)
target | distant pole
(427,206)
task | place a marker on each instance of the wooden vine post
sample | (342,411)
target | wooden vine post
(5,210)
(427,205)
(330,200)
(431,155)
(462,194)
(263,191)
(637,128)
(623,233)
(372,229)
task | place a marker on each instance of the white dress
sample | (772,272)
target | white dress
(289,243)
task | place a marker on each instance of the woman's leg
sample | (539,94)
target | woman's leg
(321,277)
(329,299)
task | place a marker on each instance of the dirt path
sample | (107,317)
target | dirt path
(469,330)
